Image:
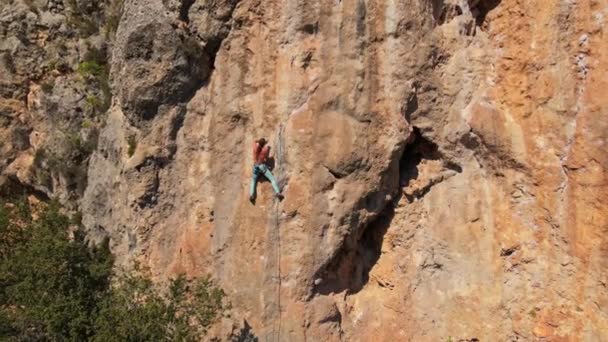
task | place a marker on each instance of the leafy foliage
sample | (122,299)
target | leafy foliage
(93,104)
(87,124)
(51,283)
(12,219)
(90,68)
(95,68)
(54,287)
(136,312)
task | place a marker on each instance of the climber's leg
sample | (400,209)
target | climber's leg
(270,177)
(254,181)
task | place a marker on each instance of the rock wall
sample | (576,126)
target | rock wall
(54,92)
(443,161)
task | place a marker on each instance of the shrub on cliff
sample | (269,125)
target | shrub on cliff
(50,282)
(135,311)
(54,287)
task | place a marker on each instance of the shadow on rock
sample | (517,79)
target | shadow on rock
(350,269)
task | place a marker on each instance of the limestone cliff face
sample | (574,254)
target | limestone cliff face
(54,92)
(443,163)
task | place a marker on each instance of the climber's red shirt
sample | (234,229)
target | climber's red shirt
(260,154)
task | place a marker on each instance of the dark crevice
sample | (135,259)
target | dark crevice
(434,265)
(306,60)
(335,174)
(150,198)
(361,11)
(505,252)
(310,28)
(148,163)
(481,8)
(419,150)
(149,174)
(12,187)
(211,49)
(335,317)
(212,44)
(453,166)
(489,155)
(444,12)
(349,269)
(184,9)
(177,123)
(411,106)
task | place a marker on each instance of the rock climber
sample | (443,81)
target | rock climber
(261,152)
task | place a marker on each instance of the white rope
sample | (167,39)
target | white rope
(279,162)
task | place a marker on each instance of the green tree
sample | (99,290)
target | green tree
(54,287)
(135,311)
(50,282)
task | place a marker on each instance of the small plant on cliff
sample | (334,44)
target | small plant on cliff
(93,104)
(95,68)
(90,68)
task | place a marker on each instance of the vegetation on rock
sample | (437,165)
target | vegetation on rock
(54,286)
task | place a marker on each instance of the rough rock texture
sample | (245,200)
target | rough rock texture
(443,161)
(53,92)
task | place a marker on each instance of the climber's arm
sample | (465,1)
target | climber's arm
(256,148)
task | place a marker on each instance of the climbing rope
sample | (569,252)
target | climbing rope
(279,162)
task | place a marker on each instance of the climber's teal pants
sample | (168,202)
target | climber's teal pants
(262,169)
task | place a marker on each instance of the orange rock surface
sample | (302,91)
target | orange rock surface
(443,164)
